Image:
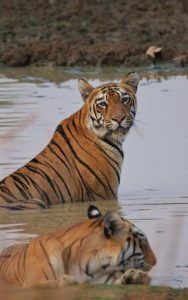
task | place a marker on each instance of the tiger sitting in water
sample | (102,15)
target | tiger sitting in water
(83,160)
(102,249)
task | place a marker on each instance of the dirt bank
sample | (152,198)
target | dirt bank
(95,293)
(93,32)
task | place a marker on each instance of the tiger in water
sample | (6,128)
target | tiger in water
(103,249)
(83,160)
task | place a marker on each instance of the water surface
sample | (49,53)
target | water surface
(153,191)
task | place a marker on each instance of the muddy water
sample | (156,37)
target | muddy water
(153,191)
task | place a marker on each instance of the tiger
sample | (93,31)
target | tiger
(83,160)
(102,249)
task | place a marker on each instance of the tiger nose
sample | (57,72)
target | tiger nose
(118,119)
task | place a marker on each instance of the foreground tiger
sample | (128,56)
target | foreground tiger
(102,249)
(83,160)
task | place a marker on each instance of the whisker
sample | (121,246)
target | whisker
(146,266)
(139,121)
(138,130)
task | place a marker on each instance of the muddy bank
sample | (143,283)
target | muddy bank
(98,32)
(95,293)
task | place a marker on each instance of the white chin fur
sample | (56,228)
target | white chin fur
(100,132)
(112,135)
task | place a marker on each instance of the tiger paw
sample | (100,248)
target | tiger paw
(65,280)
(134,276)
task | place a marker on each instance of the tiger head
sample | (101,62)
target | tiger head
(111,108)
(112,244)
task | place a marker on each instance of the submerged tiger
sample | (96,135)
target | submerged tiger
(102,250)
(83,160)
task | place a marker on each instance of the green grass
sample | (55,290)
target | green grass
(132,292)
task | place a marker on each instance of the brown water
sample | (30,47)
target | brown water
(153,191)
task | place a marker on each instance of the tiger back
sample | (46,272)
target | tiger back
(102,250)
(83,160)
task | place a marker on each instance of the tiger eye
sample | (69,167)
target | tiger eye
(125,99)
(102,104)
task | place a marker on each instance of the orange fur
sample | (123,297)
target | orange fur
(101,249)
(83,160)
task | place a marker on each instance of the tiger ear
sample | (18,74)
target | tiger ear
(131,79)
(85,88)
(93,212)
(113,225)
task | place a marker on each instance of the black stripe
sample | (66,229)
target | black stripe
(87,270)
(82,193)
(95,113)
(17,278)
(19,265)
(23,186)
(115,196)
(26,204)
(66,259)
(134,251)
(44,175)
(24,258)
(96,223)
(109,277)
(89,191)
(63,134)
(99,98)
(39,190)
(62,152)
(93,119)
(48,260)
(79,144)
(53,184)
(134,246)
(17,257)
(20,190)
(22,176)
(5,189)
(122,260)
(80,118)
(109,86)
(7,198)
(11,207)
(60,177)
(44,273)
(114,146)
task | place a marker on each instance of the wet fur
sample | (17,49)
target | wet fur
(101,249)
(67,170)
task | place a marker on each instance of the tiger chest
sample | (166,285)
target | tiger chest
(98,175)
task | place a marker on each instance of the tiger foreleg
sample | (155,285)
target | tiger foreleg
(61,281)
(133,276)
(66,280)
